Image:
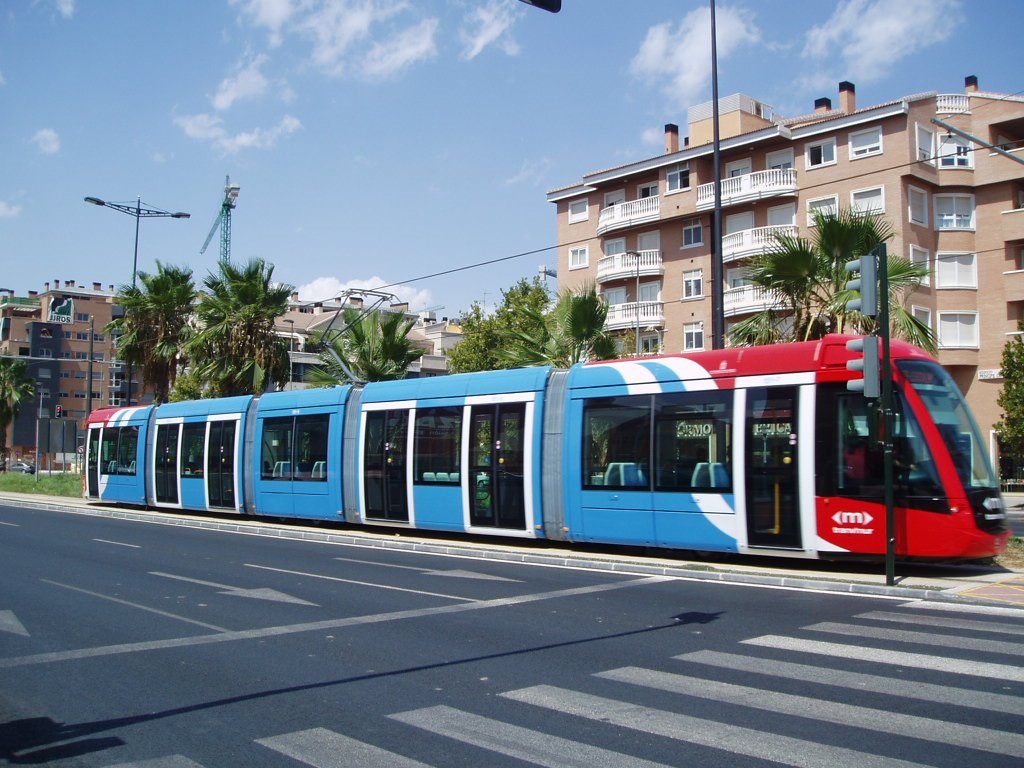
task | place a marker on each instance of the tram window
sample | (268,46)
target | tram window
(276,455)
(437,445)
(693,442)
(616,442)
(127,450)
(193,449)
(311,447)
(108,451)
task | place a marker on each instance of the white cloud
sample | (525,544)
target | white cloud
(2,81)
(531,172)
(490,24)
(47,141)
(8,211)
(408,47)
(210,128)
(201,126)
(871,36)
(678,60)
(66,8)
(326,288)
(338,24)
(246,83)
(272,14)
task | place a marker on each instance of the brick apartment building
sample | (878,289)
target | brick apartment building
(955,205)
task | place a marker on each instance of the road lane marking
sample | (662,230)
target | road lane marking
(943,621)
(322,748)
(737,739)
(141,607)
(118,543)
(988,610)
(822,710)
(317,626)
(13,525)
(360,583)
(172,761)
(258,593)
(859,681)
(922,638)
(1012,672)
(530,746)
(452,573)
(9,623)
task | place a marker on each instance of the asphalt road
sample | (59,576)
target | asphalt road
(136,644)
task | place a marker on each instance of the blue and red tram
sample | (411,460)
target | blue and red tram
(758,450)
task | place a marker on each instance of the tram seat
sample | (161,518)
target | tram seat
(319,470)
(429,477)
(454,477)
(710,474)
(442,477)
(282,469)
(131,468)
(625,473)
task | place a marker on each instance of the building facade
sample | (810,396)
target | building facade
(944,170)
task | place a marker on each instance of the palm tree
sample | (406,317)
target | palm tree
(572,332)
(155,325)
(15,389)
(807,280)
(235,350)
(374,346)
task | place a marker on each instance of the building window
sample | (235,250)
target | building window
(693,336)
(917,200)
(693,284)
(920,257)
(958,329)
(866,143)
(954,211)
(647,190)
(44,373)
(925,145)
(615,247)
(679,177)
(955,152)
(650,344)
(650,292)
(956,270)
(779,160)
(923,314)
(614,296)
(868,200)
(693,233)
(579,210)
(82,317)
(579,258)
(824,205)
(45,353)
(821,153)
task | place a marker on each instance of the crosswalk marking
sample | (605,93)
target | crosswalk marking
(521,743)
(710,733)
(972,644)
(968,625)
(1007,672)
(858,681)
(173,761)
(322,748)
(972,737)
(987,610)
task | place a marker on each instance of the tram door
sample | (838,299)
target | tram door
(220,464)
(497,442)
(93,465)
(384,465)
(773,514)
(165,475)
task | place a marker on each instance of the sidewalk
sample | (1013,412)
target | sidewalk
(962,584)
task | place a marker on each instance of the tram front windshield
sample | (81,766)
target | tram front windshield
(956,424)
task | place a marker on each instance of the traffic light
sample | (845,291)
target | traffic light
(548,5)
(871,384)
(58,411)
(865,283)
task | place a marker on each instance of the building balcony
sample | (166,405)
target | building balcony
(748,299)
(642,211)
(623,316)
(619,266)
(753,242)
(749,187)
(953,103)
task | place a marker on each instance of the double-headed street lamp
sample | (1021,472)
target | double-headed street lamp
(139,211)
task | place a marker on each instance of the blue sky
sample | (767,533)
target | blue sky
(377,142)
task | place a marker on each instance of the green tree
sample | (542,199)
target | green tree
(1011,399)
(235,350)
(155,325)
(374,346)
(807,279)
(483,336)
(15,389)
(572,332)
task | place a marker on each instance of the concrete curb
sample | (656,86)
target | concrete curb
(493,551)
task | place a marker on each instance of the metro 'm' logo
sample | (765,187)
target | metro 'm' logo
(852,518)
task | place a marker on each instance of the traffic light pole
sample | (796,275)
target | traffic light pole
(888,417)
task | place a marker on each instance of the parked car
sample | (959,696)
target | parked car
(23,467)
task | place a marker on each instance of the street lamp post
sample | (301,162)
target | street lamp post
(291,343)
(139,212)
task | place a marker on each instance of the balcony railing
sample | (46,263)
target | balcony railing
(749,187)
(953,103)
(641,211)
(621,316)
(747,299)
(623,265)
(753,242)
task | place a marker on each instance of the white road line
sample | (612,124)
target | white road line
(971,644)
(523,744)
(173,761)
(119,601)
(837,713)
(968,625)
(316,626)
(361,583)
(118,543)
(1013,673)
(13,525)
(858,681)
(322,748)
(988,610)
(737,739)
